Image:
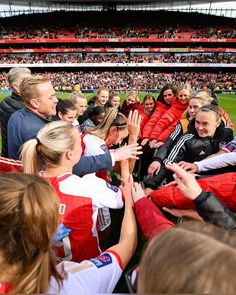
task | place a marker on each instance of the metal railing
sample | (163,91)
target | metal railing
(226,12)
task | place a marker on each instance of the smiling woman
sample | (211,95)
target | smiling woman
(206,135)
(208,119)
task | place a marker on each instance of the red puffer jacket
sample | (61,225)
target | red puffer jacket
(226,119)
(10,165)
(125,109)
(144,120)
(173,114)
(223,186)
(160,110)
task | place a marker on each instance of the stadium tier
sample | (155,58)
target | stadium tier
(119,51)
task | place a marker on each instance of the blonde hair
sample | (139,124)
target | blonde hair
(47,149)
(203,97)
(29,87)
(184,87)
(74,96)
(101,89)
(134,95)
(28,222)
(113,118)
(190,258)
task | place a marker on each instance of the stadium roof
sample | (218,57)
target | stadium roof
(225,8)
(46,2)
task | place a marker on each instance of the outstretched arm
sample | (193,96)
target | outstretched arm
(149,216)
(128,235)
(133,122)
(103,162)
(208,206)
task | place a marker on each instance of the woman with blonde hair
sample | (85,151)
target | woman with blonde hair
(80,101)
(195,103)
(57,148)
(111,131)
(29,213)
(131,103)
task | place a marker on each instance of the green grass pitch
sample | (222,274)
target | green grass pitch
(227,101)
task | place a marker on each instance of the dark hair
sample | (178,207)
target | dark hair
(163,89)
(64,105)
(97,111)
(148,96)
(213,108)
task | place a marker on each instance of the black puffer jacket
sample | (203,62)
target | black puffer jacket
(191,148)
(8,106)
(212,210)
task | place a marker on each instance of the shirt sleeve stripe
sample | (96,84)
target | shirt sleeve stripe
(118,258)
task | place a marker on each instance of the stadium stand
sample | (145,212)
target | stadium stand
(118,51)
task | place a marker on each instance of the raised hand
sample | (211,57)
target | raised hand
(186,182)
(130,151)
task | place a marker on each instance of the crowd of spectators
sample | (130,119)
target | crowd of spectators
(113,25)
(139,80)
(81,32)
(225,58)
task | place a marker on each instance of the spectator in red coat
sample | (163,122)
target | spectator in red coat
(164,100)
(131,103)
(146,110)
(165,126)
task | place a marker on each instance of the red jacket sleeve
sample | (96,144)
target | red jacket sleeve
(223,186)
(227,119)
(10,165)
(174,113)
(166,133)
(144,120)
(165,121)
(159,111)
(150,218)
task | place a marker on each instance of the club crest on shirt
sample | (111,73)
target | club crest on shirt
(102,260)
(231,147)
(112,187)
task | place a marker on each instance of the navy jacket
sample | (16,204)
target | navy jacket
(24,125)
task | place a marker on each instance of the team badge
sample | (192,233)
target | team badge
(102,260)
